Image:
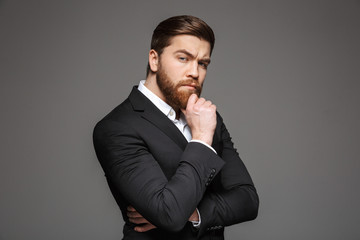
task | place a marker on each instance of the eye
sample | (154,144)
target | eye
(183,59)
(203,64)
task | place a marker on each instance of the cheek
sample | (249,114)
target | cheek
(202,77)
(172,67)
(176,71)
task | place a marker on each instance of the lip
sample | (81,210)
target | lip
(191,86)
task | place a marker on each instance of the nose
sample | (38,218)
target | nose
(193,70)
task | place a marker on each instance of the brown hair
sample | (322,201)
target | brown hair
(179,25)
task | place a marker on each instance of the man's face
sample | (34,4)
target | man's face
(182,69)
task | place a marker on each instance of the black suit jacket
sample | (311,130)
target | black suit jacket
(150,165)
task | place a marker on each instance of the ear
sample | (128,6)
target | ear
(153,60)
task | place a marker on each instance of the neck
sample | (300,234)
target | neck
(151,84)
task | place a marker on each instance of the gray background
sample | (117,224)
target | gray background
(284,75)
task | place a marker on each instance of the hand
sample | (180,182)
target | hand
(201,117)
(137,218)
(194,216)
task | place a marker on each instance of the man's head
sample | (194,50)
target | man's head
(180,25)
(180,53)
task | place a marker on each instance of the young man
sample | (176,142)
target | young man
(166,153)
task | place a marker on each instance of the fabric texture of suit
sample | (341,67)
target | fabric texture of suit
(149,165)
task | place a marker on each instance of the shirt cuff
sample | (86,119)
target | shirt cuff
(196,224)
(199,141)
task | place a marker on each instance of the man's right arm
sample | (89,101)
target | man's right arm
(137,175)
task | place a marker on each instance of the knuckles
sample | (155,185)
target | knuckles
(208,109)
(201,106)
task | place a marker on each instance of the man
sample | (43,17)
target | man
(166,153)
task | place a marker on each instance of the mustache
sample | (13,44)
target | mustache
(190,82)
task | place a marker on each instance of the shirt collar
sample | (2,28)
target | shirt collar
(160,104)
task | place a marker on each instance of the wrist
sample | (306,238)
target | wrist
(202,138)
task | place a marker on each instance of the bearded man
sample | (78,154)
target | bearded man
(166,153)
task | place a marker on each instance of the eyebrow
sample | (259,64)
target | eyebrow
(206,59)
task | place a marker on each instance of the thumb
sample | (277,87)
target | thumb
(191,101)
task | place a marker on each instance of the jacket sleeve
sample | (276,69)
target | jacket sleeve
(126,160)
(235,199)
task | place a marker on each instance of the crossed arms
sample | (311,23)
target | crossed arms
(168,203)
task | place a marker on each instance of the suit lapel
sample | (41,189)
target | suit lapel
(152,114)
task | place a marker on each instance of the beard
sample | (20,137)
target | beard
(176,96)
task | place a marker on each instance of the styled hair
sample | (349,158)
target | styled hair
(180,25)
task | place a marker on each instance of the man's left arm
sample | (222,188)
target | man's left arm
(234,199)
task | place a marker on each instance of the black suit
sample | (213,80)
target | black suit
(149,164)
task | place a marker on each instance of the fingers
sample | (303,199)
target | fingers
(203,105)
(131,209)
(194,216)
(196,103)
(201,102)
(139,220)
(133,214)
(144,228)
(207,103)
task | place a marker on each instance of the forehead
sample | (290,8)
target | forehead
(194,45)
